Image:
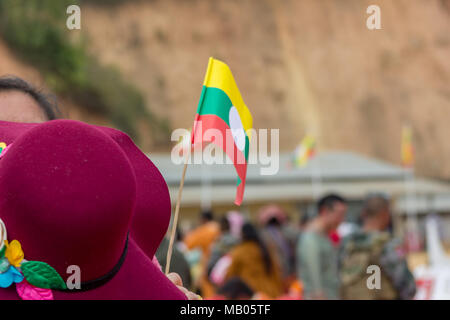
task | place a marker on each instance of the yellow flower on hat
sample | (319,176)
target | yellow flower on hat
(14,253)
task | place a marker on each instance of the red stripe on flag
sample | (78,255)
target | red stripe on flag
(210,121)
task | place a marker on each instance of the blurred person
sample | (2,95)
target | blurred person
(234,289)
(273,219)
(21,102)
(204,235)
(291,230)
(202,238)
(373,245)
(305,219)
(224,243)
(252,262)
(236,220)
(179,240)
(316,256)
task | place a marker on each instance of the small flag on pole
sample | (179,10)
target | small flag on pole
(305,151)
(221,107)
(407,147)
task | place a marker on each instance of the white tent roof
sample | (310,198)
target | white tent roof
(350,174)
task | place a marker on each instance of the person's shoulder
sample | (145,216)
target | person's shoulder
(309,237)
(383,240)
(392,242)
(308,234)
(243,248)
(356,239)
(212,227)
(393,246)
(229,240)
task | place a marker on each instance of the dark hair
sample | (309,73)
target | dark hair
(249,233)
(224,224)
(46,102)
(304,219)
(235,288)
(273,222)
(179,235)
(328,201)
(207,215)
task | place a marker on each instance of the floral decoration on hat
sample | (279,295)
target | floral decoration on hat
(3,148)
(34,279)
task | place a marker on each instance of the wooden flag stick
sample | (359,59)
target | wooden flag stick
(177,210)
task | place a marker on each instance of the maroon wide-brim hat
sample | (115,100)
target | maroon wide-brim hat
(152,210)
(68,192)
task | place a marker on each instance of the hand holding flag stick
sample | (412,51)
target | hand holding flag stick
(221,108)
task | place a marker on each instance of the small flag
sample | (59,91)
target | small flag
(221,107)
(305,151)
(407,147)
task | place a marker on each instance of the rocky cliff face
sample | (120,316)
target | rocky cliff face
(301,65)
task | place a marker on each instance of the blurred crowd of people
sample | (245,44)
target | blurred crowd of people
(321,257)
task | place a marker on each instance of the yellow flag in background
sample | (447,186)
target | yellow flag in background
(305,151)
(407,147)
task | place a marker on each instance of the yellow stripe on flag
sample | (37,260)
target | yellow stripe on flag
(219,76)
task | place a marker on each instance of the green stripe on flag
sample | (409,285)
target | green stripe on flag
(215,101)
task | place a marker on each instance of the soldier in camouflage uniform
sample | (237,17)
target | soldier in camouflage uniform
(372,245)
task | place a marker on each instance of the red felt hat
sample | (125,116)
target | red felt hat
(152,210)
(151,216)
(69,191)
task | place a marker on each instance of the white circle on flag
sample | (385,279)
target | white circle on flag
(237,129)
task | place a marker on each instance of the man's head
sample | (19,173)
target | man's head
(332,209)
(376,213)
(21,102)
(224,224)
(206,216)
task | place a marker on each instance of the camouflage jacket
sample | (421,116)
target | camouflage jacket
(362,249)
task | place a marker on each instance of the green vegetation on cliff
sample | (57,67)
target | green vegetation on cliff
(36,31)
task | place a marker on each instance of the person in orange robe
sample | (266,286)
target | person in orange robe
(203,237)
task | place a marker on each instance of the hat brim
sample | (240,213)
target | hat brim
(152,211)
(137,279)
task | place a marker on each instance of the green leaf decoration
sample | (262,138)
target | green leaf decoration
(2,252)
(41,275)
